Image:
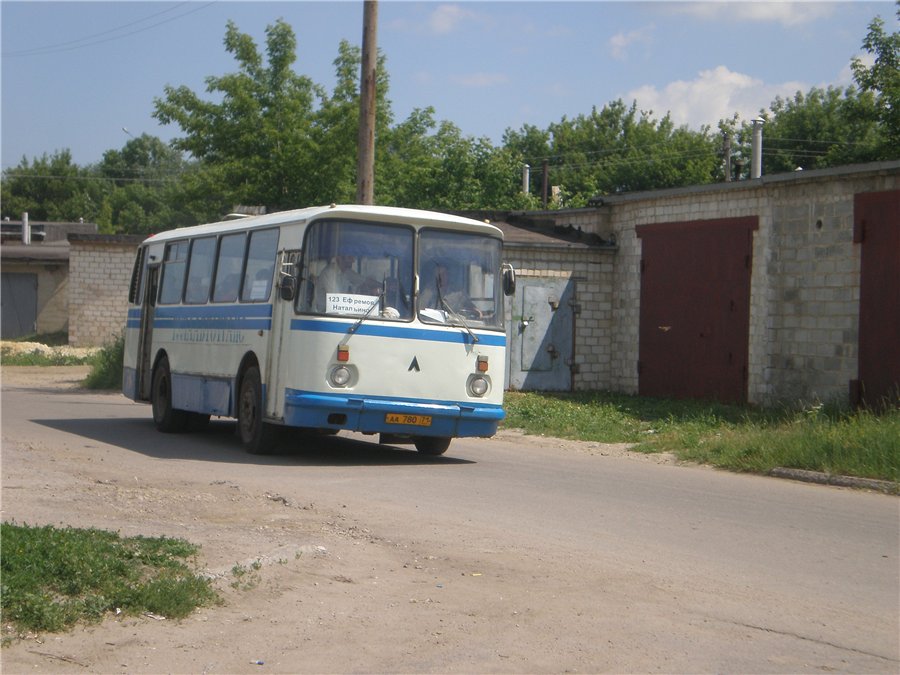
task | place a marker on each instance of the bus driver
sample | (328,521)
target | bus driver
(340,277)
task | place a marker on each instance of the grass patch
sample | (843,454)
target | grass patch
(106,366)
(54,578)
(38,354)
(739,438)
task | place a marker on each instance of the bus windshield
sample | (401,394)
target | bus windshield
(458,279)
(358,269)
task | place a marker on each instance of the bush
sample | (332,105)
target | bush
(106,366)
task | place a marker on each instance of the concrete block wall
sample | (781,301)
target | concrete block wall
(99,276)
(804,299)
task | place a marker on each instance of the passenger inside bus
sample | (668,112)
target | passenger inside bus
(340,277)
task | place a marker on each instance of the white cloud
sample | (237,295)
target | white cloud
(785,13)
(713,95)
(480,79)
(446,18)
(619,42)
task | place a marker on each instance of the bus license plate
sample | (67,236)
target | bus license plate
(412,420)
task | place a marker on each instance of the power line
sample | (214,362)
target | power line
(650,146)
(102,179)
(89,41)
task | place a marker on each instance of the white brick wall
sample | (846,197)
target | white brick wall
(99,274)
(804,286)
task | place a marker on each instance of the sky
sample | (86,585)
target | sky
(83,76)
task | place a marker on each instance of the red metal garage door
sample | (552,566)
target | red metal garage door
(695,308)
(876,225)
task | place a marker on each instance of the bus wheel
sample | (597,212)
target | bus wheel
(257,436)
(432,445)
(166,418)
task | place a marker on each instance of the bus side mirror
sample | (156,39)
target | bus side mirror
(287,287)
(509,279)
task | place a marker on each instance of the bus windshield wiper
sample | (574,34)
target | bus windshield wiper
(378,301)
(456,317)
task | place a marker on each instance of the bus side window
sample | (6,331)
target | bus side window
(260,266)
(228,268)
(173,273)
(200,270)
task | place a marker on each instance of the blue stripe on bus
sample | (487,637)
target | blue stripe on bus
(134,318)
(394,331)
(237,317)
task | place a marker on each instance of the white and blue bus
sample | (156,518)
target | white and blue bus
(379,320)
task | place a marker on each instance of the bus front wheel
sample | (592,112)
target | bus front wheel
(432,445)
(258,437)
(166,418)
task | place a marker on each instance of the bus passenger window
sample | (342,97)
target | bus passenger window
(200,270)
(260,266)
(173,273)
(228,268)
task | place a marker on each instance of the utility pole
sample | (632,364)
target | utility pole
(365,164)
(545,180)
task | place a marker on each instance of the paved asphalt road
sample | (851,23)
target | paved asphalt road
(773,575)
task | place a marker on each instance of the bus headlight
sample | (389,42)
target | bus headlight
(340,376)
(478,386)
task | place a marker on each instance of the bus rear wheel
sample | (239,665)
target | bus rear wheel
(432,445)
(257,436)
(166,418)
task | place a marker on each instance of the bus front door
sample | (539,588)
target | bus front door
(282,314)
(145,342)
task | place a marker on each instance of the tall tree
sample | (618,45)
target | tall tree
(883,77)
(819,129)
(335,127)
(258,139)
(52,187)
(617,149)
(146,177)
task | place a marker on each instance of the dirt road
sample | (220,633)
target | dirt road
(353,578)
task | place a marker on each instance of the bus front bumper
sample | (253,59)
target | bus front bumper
(390,415)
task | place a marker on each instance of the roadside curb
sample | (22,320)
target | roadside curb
(886,486)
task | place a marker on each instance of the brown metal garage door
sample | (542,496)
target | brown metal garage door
(876,226)
(695,308)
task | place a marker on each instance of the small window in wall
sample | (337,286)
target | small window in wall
(229,264)
(200,268)
(173,273)
(260,266)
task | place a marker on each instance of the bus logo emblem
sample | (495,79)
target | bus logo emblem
(414,365)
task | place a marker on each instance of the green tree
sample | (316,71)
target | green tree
(258,140)
(883,77)
(819,129)
(423,163)
(336,125)
(145,175)
(616,149)
(52,187)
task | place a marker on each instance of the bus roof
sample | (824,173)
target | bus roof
(390,214)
